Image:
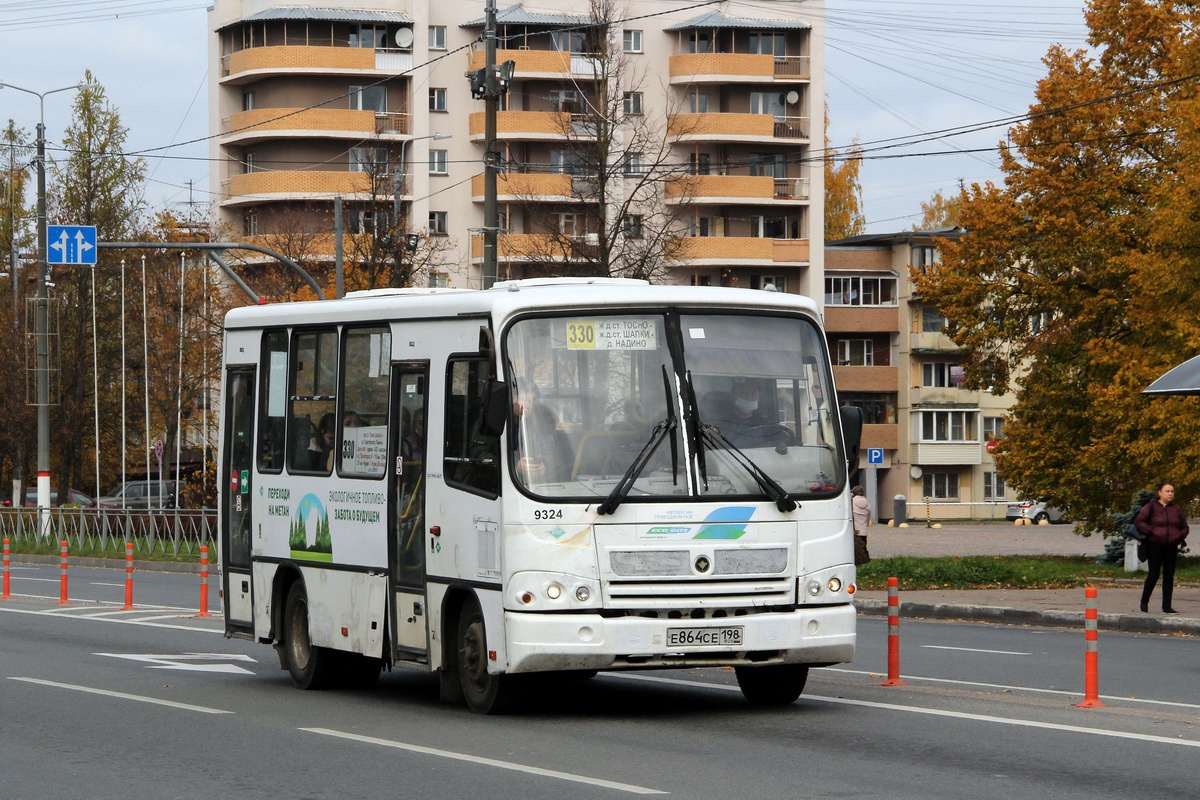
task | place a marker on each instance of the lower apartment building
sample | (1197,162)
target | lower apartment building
(705,119)
(892,360)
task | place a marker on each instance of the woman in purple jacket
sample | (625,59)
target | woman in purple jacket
(1165,528)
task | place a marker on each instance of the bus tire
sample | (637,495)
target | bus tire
(773,685)
(311,667)
(483,692)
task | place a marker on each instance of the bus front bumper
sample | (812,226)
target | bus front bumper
(548,642)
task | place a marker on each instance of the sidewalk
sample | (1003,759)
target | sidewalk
(1118,605)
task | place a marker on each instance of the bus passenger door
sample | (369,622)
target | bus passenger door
(406,510)
(235,488)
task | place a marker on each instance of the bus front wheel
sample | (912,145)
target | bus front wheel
(774,685)
(484,692)
(311,667)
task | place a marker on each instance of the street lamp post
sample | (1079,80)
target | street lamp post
(41,318)
(401,172)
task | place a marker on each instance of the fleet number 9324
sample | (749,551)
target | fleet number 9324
(547,513)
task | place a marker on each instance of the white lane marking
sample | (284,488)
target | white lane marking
(48,613)
(1026,723)
(156,661)
(122,695)
(117,585)
(1014,688)
(39,580)
(487,762)
(975,650)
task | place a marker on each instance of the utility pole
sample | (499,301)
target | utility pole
(491,217)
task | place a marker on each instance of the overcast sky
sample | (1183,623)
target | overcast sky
(894,69)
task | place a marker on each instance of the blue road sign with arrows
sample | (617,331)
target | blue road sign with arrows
(71,244)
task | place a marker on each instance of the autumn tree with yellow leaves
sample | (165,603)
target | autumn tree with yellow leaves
(1079,278)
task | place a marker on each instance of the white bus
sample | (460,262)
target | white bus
(561,475)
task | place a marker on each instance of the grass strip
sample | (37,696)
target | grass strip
(1004,572)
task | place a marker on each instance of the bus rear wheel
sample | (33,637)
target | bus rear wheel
(311,667)
(774,685)
(484,692)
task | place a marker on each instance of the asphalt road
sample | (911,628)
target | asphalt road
(155,703)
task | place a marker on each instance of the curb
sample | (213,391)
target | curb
(115,563)
(1051,618)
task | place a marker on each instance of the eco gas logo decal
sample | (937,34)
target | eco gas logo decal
(724,523)
(310,514)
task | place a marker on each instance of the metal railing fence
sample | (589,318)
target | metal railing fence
(165,531)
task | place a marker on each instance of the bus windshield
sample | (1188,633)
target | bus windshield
(742,397)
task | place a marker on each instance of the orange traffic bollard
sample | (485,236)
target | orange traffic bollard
(62,595)
(7,564)
(203,582)
(128,577)
(1091,654)
(893,678)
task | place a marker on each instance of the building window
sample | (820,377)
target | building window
(633,226)
(768,44)
(937,374)
(700,226)
(439,280)
(437,223)
(368,98)
(878,408)
(372,222)
(993,486)
(777,282)
(932,320)
(632,42)
(766,103)
(250,225)
(698,103)
(248,101)
(437,37)
(924,256)
(369,159)
(856,291)
(564,100)
(437,99)
(571,223)
(701,280)
(369,35)
(697,42)
(437,162)
(698,163)
(633,103)
(993,428)
(633,163)
(770,165)
(856,353)
(948,426)
(249,162)
(940,485)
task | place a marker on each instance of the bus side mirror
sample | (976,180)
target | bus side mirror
(852,425)
(496,408)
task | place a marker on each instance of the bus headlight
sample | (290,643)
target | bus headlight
(814,588)
(835,584)
(554,591)
(583,594)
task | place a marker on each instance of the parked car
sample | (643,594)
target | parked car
(74,497)
(143,494)
(1035,510)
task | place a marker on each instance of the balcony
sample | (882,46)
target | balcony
(536,125)
(257,187)
(512,187)
(949,396)
(855,319)
(745,251)
(885,436)
(866,379)
(720,127)
(536,247)
(735,189)
(251,63)
(552,64)
(276,123)
(321,246)
(739,67)
(947,453)
(933,343)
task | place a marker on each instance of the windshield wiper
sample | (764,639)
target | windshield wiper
(765,482)
(623,486)
(694,426)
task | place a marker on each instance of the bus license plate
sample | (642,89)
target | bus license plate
(704,636)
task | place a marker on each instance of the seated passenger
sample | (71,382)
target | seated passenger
(543,452)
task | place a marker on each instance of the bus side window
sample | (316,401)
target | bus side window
(273,402)
(313,402)
(472,458)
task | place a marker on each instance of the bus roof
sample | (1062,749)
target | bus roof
(507,298)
